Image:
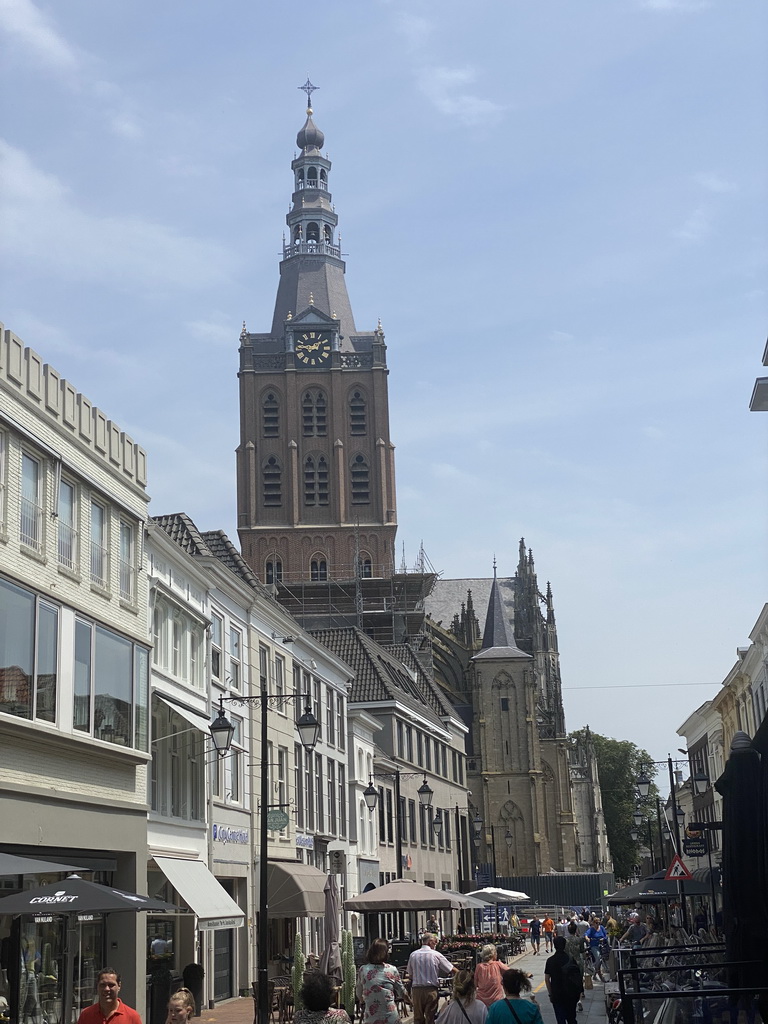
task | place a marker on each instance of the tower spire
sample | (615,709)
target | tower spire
(312,270)
(498,638)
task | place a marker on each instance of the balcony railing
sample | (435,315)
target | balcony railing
(311,248)
(99,564)
(67,546)
(31,530)
(127,580)
(313,183)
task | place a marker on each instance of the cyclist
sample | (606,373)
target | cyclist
(594,936)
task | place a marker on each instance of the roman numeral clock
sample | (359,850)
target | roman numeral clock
(313,348)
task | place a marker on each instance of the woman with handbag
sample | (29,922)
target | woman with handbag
(514,1008)
(464,1007)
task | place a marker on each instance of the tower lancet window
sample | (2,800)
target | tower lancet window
(315,480)
(311,177)
(313,231)
(274,570)
(357,413)
(300,178)
(318,568)
(315,413)
(270,415)
(272,479)
(361,487)
(327,234)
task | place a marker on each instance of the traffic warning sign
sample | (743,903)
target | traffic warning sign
(677,871)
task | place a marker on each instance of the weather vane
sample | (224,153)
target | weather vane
(308,88)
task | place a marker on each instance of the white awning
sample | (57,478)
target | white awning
(203,894)
(199,721)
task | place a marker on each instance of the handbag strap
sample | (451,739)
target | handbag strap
(461,1007)
(512,1010)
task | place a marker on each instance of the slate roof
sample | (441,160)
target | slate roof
(498,637)
(322,277)
(210,544)
(379,676)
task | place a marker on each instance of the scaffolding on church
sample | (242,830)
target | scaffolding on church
(388,608)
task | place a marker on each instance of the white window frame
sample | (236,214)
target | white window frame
(68,536)
(217,647)
(235,646)
(100,547)
(127,560)
(31,511)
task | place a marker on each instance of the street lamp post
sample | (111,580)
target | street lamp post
(643,783)
(371,796)
(222,732)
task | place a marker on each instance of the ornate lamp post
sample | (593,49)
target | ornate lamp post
(222,732)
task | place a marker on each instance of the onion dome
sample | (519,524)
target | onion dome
(310,136)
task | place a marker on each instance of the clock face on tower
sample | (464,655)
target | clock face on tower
(313,348)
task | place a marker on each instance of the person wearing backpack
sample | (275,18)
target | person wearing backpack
(562,976)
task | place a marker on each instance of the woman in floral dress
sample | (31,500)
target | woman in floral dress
(379,986)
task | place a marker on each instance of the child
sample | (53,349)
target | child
(181,1007)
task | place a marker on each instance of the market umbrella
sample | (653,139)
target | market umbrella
(493,895)
(499,897)
(473,902)
(12,864)
(76,896)
(330,961)
(403,894)
(656,889)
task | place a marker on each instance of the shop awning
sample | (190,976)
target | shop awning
(203,894)
(201,722)
(294,890)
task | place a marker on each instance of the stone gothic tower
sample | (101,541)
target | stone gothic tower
(315,464)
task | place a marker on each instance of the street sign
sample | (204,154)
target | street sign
(677,871)
(277,820)
(695,847)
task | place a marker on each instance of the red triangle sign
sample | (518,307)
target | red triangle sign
(677,871)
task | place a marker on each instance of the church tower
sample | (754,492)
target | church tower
(315,464)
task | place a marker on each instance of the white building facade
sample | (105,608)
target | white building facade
(74,662)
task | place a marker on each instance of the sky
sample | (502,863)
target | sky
(558,210)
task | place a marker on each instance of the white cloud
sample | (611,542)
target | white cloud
(696,227)
(51,338)
(414,28)
(560,336)
(127,126)
(44,226)
(714,183)
(444,87)
(36,32)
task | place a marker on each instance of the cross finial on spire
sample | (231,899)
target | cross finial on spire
(308,88)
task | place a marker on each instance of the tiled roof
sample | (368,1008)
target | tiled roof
(211,544)
(222,548)
(183,532)
(406,655)
(379,676)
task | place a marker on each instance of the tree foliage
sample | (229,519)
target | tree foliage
(619,763)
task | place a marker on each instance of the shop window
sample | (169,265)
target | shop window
(29,642)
